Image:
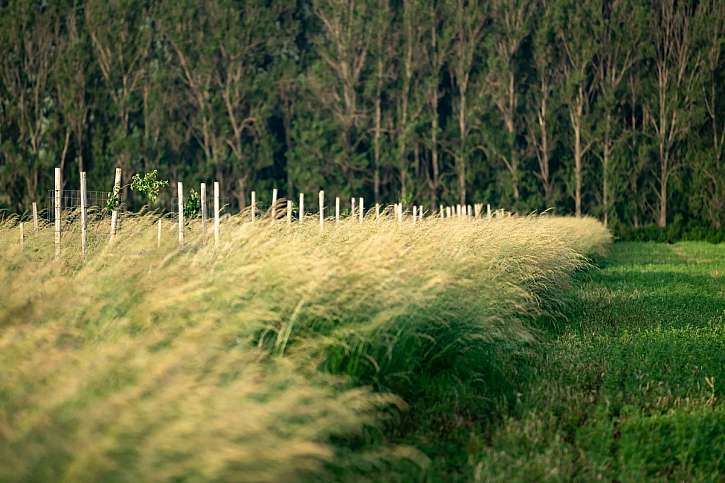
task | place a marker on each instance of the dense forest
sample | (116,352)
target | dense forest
(609,108)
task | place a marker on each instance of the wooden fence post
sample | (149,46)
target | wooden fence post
(361,208)
(322,210)
(440,211)
(488,211)
(180,191)
(289,212)
(377,211)
(420,212)
(415,214)
(254,205)
(216,213)
(202,195)
(352,208)
(57,210)
(158,233)
(84,219)
(35,216)
(337,210)
(302,207)
(114,212)
(22,235)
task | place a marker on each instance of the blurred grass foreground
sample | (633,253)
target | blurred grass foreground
(277,355)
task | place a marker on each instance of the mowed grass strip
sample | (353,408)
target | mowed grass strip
(631,385)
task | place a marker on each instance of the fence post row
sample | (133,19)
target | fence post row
(84,219)
(56,209)
(180,191)
(216,213)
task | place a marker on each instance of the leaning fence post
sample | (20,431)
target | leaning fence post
(202,194)
(337,209)
(254,205)
(56,210)
(216,213)
(322,210)
(84,220)
(35,216)
(274,203)
(180,190)
(361,208)
(114,212)
(302,207)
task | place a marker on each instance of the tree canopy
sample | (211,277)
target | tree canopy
(611,108)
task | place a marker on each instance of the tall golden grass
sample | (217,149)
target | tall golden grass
(246,361)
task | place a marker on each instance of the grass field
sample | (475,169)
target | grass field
(448,350)
(629,386)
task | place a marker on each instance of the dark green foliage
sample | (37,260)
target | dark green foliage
(521,104)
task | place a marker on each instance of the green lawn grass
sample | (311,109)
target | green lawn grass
(625,383)
(631,385)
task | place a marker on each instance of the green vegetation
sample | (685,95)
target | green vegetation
(610,108)
(283,353)
(630,387)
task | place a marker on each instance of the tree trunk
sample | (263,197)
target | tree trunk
(664,174)
(460,159)
(578,171)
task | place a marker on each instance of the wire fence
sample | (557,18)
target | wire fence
(70,201)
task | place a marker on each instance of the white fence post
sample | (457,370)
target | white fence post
(180,191)
(202,194)
(35,216)
(274,203)
(57,211)
(361,208)
(322,210)
(352,208)
(158,233)
(337,209)
(22,235)
(254,205)
(488,211)
(377,211)
(289,212)
(216,213)
(84,219)
(114,212)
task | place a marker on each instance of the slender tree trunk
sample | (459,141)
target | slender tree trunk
(460,159)
(578,171)
(376,144)
(662,218)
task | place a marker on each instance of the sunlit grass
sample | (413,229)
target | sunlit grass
(248,359)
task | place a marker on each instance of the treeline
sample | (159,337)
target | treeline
(612,108)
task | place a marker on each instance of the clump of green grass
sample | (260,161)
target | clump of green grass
(266,357)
